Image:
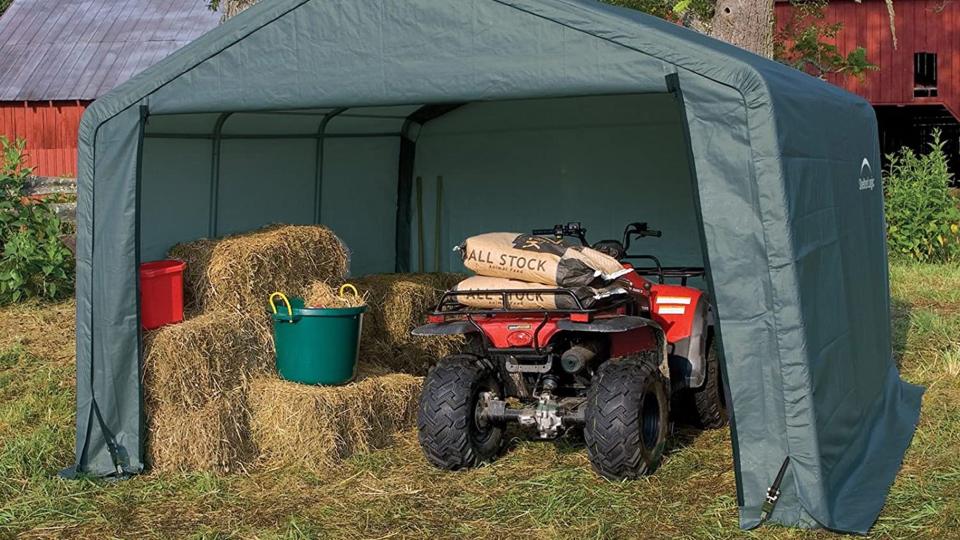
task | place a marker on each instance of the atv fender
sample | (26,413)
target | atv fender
(445,329)
(622,324)
(610,325)
(689,355)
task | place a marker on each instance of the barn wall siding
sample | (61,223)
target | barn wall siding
(50,129)
(922,26)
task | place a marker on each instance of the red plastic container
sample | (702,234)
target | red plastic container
(161,293)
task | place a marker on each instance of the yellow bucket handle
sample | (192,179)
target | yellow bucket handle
(286,302)
(349,287)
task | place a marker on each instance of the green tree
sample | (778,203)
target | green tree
(805,42)
(4,4)
(683,11)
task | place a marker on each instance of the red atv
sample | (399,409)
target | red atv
(612,369)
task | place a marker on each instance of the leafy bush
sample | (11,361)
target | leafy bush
(923,215)
(34,262)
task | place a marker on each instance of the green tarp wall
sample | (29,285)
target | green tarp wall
(533,112)
(521,165)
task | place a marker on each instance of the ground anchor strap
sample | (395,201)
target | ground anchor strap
(773,492)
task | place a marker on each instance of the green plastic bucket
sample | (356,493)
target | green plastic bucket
(317,345)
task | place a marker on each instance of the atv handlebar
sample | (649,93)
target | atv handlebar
(621,250)
(639,230)
(573,229)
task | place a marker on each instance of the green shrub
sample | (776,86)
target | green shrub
(923,216)
(34,262)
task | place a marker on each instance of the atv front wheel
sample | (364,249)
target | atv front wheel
(452,432)
(709,400)
(627,418)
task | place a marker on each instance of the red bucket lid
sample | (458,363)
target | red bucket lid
(160,268)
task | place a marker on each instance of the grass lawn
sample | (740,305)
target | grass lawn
(536,490)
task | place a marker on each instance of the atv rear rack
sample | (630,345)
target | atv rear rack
(452,317)
(449,305)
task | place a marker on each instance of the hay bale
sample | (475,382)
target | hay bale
(196,382)
(215,437)
(239,272)
(192,363)
(313,427)
(398,303)
(321,295)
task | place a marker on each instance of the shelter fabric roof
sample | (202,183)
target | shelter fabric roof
(81,49)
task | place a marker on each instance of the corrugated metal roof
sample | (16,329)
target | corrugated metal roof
(80,49)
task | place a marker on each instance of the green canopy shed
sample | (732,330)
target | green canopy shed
(532,112)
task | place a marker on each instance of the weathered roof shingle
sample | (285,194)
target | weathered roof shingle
(80,49)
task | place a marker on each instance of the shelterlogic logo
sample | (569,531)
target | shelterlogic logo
(867,180)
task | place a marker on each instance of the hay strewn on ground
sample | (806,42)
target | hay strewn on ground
(43,330)
(398,304)
(200,359)
(215,437)
(313,427)
(239,272)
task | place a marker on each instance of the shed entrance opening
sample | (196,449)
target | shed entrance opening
(604,161)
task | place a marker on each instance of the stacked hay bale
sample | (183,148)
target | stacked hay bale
(214,437)
(238,273)
(213,399)
(198,374)
(206,357)
(398,304)
(313,427)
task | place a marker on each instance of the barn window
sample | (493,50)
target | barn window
(924,74)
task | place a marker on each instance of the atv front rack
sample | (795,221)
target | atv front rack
(683,273)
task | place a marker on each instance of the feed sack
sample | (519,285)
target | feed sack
(530,298)
(538,259)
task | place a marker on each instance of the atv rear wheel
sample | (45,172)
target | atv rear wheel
(709,401)
(452,433)
(627,418)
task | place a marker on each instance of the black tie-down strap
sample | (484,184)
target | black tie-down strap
(773,492)
(116,452)
(112,446)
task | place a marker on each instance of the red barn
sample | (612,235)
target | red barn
(56,56)
(917,85)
